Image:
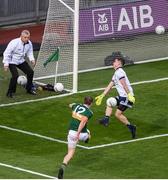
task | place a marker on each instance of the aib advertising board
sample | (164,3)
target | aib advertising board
(122,20)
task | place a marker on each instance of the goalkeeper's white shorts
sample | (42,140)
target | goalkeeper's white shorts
(72,142)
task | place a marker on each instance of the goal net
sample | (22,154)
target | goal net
(58,33)
(105,26)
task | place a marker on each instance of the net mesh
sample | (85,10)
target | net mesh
(138,44)
(58,33)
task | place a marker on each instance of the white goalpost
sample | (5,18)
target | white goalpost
(76,38)
(61,31)
(88,31)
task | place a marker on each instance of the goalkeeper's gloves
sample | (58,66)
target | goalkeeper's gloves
(131,98)
(99,99)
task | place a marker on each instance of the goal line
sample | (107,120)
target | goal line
(89,90)
(97,69)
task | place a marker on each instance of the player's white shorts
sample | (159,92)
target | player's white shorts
(72,135)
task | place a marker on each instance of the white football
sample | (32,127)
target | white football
(22,80)
(160,30)
(58,87)
(111,102)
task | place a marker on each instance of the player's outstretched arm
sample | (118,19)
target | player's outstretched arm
(100,97)
(70,105)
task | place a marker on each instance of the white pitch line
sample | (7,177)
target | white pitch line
(150,81)
(35,100)
(83,147)
(135,83)
(38,135)
(99,68)
(129,141)
(89,90)
(28,171)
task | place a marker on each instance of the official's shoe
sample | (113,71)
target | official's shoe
(61,173)
(132,129)
(104,122)
(9,94)
(32,92)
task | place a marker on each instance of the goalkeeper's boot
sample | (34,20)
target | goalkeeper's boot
(132,129)
(104,121)
(61,173)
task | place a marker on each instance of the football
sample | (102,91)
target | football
(58,87)
(160,30)
(22,80)
(111,102)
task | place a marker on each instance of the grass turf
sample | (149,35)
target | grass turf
(50,118)
(96,79)
(144,159)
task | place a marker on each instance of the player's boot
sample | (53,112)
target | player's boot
(61,173)
(132,129)
(104,121)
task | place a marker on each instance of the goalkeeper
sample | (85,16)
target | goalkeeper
(125,99)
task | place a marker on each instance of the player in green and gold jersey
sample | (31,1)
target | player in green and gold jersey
(81,114)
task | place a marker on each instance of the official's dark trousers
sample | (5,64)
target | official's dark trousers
(13,81)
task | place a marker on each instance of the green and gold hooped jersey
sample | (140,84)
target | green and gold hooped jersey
(79,111)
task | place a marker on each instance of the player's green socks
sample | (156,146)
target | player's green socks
(61,171)
(63,166)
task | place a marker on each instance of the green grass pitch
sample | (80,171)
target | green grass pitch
(142,159)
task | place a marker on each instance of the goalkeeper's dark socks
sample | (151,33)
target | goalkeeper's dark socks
(105,121)
(106,118)
(129,125)
(132,129)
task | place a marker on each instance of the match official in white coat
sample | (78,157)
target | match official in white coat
(14,57)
